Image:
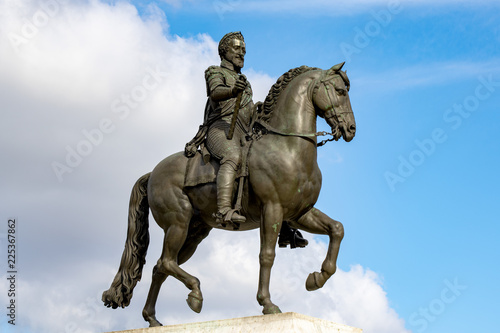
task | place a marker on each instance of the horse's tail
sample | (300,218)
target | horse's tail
(136,246)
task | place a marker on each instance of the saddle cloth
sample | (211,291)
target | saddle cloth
(198,172)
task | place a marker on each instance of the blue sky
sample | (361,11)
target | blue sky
(416,190)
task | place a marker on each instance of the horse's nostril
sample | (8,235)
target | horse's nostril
(352,128)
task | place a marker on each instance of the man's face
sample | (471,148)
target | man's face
(236,53)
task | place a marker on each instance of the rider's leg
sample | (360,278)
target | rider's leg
(229,153)
(225,186)
(290,236)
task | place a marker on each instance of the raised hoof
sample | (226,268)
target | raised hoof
(195,301)
(272,309)
(312,281)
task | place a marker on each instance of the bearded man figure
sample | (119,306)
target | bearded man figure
(224,83)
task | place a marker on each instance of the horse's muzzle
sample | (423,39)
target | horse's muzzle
(348,133)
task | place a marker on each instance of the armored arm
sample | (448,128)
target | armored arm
(217,88)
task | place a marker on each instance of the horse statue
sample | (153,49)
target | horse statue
(283,184)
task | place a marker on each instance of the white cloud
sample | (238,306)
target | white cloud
(86,62)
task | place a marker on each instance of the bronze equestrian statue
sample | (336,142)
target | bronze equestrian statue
(278,180)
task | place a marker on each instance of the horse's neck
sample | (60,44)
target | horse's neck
(294,111)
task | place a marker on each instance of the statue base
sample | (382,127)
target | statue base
(289,322)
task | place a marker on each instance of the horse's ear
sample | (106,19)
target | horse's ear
(337,67)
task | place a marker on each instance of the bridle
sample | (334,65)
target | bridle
(330,113)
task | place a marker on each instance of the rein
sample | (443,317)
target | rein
(271,130)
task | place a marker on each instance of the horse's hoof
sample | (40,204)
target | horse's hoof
(312,281)
(154,323)
(272,309)
(195,301)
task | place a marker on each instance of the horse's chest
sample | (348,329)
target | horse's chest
(300,193)
(284,170)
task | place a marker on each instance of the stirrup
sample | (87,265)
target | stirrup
(231,216)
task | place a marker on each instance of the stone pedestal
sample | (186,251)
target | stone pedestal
(289,322)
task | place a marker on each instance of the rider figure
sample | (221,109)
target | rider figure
(224,83)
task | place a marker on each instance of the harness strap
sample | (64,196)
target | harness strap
(271,129)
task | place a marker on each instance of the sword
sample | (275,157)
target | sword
(235,113)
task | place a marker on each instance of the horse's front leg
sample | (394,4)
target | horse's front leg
(272,217)
(317,222)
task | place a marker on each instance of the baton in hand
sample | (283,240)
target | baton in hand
(235,113)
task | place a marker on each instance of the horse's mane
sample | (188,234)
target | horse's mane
(279,86)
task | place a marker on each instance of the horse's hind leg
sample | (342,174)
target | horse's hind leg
(176,232)
(149,312)
(175,226)
(198,231)
(317,222)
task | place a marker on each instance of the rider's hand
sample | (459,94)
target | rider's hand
(239,86)
(259,106)
(190,150)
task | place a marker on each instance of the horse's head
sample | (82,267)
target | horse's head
(331,100)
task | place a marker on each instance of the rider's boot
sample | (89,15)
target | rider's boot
(225,186)
(290,236)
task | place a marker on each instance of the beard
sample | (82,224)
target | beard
(238,62)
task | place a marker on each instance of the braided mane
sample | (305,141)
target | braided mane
(279,86)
